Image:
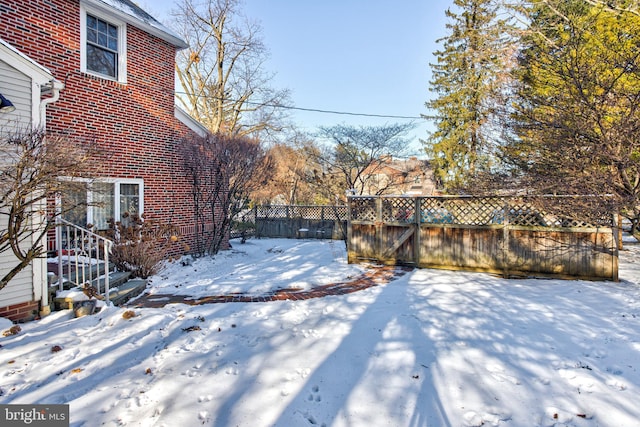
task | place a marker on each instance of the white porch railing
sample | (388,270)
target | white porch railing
(83,257)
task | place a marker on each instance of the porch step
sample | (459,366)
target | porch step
(116,278)
(122,289)
(70,281)
(132,288)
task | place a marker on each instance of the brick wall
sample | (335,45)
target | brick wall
(134,123)
(21,312)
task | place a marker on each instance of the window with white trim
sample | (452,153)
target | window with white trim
(98,202)
(103,45)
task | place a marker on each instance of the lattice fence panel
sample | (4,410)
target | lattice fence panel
(574,211)
(474,210)
(304,212)
(520,211)
(398,209)
(272,212)
(437,210)
(363,209)
(336,213)
(471,211)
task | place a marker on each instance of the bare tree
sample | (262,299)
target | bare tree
(222,171)
(222,73)
(355,154)
(292,179)
(30,170)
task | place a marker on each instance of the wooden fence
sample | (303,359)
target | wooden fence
(506,235)
(302,222)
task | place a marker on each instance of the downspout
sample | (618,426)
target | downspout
(56,87)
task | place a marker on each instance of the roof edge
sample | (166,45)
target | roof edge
(190,122)
(24,64)
(134,15)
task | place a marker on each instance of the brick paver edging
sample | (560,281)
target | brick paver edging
(377,275)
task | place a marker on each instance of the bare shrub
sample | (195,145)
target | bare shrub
(140,245)
(31,164)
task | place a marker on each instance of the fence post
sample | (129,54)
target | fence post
(348,235)
(617,220)
(379,227)
(255,220)
(506,259)
(616,231)
(417,218)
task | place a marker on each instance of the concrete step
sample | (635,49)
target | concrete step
(126,291)
(116,278)
(70,273)
(122,289)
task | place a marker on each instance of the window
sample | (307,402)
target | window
(102,47)
(99,201)
(103,41)
(102,204)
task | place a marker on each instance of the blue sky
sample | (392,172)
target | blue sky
(354,56)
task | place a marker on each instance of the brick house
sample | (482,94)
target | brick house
(115,65)
(410,177)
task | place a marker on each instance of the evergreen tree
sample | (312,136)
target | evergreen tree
(467,79)
(577,102)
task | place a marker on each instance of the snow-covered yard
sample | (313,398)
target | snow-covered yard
(431,348)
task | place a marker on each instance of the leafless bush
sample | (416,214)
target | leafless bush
(222,170)
(31,164)
(140,245)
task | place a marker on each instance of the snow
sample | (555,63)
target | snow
(429,348)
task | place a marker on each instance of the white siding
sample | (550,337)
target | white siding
(16,87)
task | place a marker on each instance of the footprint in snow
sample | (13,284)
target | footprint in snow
(312,420)
(232,370)
(498,373)
(314,396)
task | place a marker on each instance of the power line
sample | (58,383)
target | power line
(347,113)
(318,110)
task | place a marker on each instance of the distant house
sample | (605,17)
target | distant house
(410,177)
(110,67)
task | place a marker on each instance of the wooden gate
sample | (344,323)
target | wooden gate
(383,229)
(507,235)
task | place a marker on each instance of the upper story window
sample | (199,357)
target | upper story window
(103,49)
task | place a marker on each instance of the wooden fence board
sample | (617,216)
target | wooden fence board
(308,222)
(462,234)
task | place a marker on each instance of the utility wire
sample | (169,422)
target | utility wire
(317,110)
(347,113)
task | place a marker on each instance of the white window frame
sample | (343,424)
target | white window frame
(122,43)
(116,183)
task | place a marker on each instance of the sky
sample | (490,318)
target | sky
(424,348)
(367,57)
